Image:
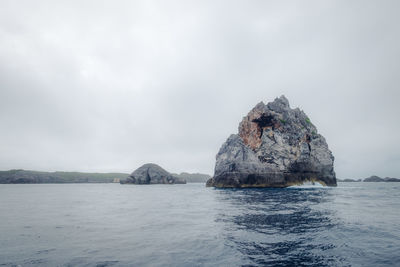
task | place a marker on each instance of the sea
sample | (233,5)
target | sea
(353,224)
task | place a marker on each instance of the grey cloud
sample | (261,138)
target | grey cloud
(107,86)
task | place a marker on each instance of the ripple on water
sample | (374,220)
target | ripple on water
(190,225)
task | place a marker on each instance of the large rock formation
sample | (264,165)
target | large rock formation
(152,174)
(276,147)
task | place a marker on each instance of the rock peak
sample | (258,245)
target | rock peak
(260,105)
(282,99)
(280,104)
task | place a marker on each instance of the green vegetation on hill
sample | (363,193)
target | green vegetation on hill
(193,177)
(25,176)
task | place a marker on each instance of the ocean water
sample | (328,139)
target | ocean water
(354,224)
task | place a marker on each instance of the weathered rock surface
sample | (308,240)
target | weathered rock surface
(276,147)
(152,174)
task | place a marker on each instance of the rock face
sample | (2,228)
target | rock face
(152,174)
(276,147)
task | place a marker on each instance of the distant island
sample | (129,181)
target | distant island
(375,178)
(37,177)
(20,176)
(372,178)
(151,173)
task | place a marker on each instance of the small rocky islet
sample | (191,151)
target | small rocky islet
(276,147)
(151,173)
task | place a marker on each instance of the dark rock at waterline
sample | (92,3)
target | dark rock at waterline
(152,174)
(276,147)
(349,180)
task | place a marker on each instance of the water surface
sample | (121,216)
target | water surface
(355,224)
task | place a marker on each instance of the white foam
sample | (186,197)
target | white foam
(308,184)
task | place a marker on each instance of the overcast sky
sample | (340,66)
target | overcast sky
(110,85)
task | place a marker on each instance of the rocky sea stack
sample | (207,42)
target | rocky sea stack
(276,147)
(152,174)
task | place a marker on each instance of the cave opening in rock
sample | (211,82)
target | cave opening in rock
(264,121)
